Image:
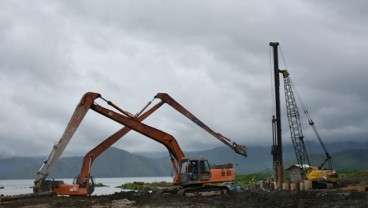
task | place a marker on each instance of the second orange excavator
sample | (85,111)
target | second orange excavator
(190,174)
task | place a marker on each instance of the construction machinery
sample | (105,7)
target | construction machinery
(319,175)
(276,148)
(189,173)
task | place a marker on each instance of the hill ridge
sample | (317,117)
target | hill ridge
(120,163)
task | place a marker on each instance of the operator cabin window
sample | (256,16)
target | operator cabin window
(185,167)
(205,167)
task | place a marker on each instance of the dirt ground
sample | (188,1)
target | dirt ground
(258,198)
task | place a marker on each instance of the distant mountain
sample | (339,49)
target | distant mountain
(18,167)
(120,163)
(112,163)
(348,155)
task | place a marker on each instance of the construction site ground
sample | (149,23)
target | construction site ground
(254,198)
(352,192)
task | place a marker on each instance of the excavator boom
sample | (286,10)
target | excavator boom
(99,149)
(166,139)
(165,98)
(86,103)
(59,148)
(131,123)
(240,149)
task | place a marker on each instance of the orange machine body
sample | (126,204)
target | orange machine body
(84,184)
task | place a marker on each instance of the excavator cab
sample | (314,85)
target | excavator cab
(195,171)
(90,181)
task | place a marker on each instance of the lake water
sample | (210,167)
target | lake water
(24,186)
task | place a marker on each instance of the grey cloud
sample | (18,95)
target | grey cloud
(211,56)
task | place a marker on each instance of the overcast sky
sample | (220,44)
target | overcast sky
(212,56)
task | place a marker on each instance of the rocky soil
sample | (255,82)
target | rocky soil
(257,198)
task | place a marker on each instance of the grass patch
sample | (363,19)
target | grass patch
(246,180)
(242,180)
(354,176)
(100,185)
(144,186)
(353,173)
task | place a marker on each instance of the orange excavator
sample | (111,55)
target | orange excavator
(189,173)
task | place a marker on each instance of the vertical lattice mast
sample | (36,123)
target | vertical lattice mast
(295,125)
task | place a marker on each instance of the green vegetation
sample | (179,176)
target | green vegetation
(353,173)
(100,185)
(355,176)
(144,186)
(243,180)
(246,180)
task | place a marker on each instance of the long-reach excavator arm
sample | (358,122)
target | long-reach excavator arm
(166,139)
(130,122)
(86,103)
(103,146)
(58,149)
(165,98)
(240,149)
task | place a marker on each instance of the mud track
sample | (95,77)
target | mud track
(306,199)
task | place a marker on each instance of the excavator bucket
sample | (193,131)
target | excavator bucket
(240,149)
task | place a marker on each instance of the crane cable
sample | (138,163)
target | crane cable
(311,123)
(294,89)
(305,111)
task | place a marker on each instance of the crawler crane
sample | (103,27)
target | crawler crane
(319,176)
